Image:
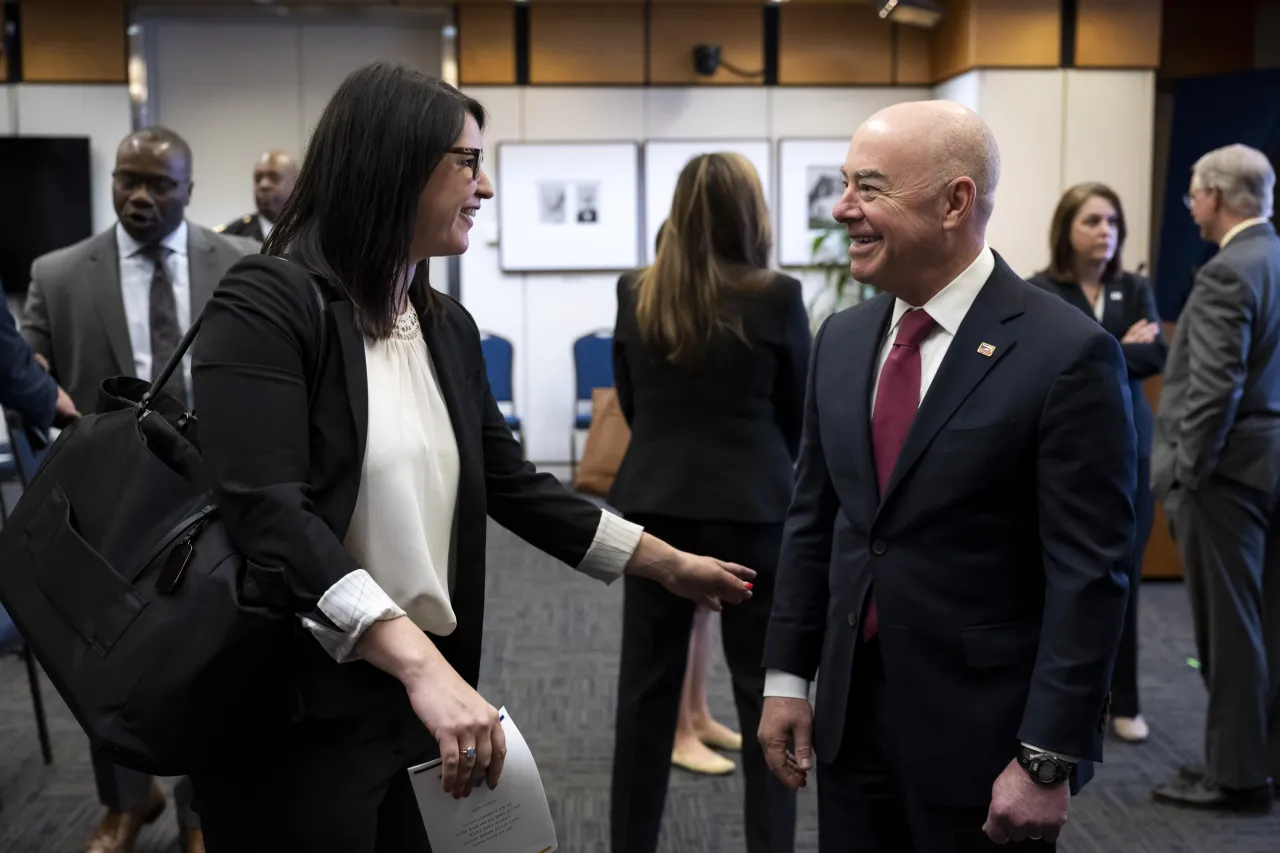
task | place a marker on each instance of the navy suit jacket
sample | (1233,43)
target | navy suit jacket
(999,551)
(25,386)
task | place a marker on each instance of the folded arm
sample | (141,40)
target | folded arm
(1086,474)
(1143,360)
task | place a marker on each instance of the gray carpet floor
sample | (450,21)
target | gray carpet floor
(551,649)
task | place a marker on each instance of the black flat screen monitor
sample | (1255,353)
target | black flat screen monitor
(46,201)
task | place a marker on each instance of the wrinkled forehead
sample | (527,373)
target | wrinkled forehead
(880,152)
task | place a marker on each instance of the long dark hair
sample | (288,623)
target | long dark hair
(715,240)
(1062,256)
(351,215)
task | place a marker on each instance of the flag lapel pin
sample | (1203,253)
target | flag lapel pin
(986,349)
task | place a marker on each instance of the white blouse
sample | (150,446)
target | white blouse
(401,531)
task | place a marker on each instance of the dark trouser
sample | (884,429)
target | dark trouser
(655,647)
(864,803)
(1229,539)
(329,786)
(1124,678)
(123,790)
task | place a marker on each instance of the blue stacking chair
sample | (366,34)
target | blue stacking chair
(592,368)
(25,451)
(499,360)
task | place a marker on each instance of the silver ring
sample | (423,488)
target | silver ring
(1036,837)
(469,752)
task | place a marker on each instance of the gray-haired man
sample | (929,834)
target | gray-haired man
(1216,465)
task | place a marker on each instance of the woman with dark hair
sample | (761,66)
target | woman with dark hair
(1085,241)
(711,351)
(354,450)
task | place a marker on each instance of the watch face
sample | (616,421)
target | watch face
(1047,771)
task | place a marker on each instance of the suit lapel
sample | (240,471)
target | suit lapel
(354,369)
(103,275)
(203,263)
(1113,308)
(470,481)
(982,340)
(867,343)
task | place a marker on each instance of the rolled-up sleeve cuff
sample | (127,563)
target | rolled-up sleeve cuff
(616,540)
(785,685)
(353,604)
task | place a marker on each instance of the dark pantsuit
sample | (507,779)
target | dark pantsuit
(655,645)
(864,803)
(1229,539)
(123,790)
(1124,678)
(331,786)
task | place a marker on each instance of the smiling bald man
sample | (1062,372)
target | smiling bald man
(955,556)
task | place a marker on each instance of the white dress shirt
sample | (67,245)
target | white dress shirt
(948,308)
(1248,223)
(136,270)
(265,225)
(402,526)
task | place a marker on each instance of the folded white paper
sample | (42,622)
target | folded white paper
(514,818)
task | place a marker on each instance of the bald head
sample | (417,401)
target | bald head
(943,140)
(920,188)
(274,176)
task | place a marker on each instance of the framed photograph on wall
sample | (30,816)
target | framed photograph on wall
(665,158)
(808,187)
(568,206)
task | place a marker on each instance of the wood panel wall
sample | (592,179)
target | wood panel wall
(1118,33)
(1199,43)
(74,41)
(486,43)
(586,43)
(675,29)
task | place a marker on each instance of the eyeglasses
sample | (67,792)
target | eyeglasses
(159,187)
(1186,200)
(476,155)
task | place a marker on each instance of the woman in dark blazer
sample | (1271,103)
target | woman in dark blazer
(711,352)
(1085,241)
(354,449)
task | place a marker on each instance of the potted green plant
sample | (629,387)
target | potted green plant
(830,256)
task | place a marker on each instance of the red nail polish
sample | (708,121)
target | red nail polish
(748,586)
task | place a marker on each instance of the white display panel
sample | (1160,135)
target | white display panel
(809,185)
(565,206)
(663,161)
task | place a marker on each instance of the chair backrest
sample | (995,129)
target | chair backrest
(499,356)
(593,362)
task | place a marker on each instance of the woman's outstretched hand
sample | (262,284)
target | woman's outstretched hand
(705,580)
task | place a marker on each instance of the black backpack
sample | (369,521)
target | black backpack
(166,644)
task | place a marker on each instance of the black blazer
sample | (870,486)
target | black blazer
(1128,299)
(719,442)
(999,551)
(25,386)
(286,472)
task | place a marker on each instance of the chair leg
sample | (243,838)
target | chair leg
(37,704)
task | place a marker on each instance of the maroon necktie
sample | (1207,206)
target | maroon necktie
(897,399)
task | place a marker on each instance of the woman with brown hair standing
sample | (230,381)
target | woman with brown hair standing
(1085,241)
(710,357)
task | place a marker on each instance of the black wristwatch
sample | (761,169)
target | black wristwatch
(1043,768)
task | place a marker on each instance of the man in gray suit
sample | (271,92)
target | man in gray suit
(117,305)
(1216,466)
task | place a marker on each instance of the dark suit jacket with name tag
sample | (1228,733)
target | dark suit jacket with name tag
(999,551)
(75,317)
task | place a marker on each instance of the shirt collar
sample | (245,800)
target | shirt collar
(176,242)
(1235,232)
(949,305)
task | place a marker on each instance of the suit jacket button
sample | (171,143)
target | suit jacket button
(853,619)
(878,547)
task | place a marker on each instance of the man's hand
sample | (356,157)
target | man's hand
(1021,809)
(64,410)
(1141,332)
(42,361)
(784,722)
